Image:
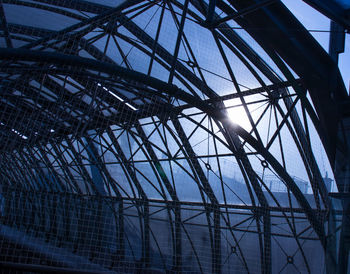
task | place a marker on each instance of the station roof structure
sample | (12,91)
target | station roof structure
(216,114)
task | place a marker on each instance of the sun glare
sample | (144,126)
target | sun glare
(238,115)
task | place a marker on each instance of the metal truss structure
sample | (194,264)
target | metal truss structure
(119,153)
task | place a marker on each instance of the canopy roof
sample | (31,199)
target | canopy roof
(173,101)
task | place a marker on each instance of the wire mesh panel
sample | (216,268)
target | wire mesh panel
(101,234)
(155,137)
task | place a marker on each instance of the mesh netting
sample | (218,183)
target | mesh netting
(90,233)
(144,137)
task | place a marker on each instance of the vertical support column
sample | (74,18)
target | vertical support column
(342,177)
(267,241)
(338,245)
(340,240)
(336,41)
(121,235)
(344,243)
(217,241)
(178,238)
(146,236)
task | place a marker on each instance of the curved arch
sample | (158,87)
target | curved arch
(154,133)
(117,71)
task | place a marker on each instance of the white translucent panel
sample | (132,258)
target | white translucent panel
(162,161)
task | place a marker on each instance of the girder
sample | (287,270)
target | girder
(119,71)
(332,9)
(112,116)
(309,56)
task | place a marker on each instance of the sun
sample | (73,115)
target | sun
(237,114)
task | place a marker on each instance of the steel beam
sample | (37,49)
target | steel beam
(304,55)
(173,91)
(333,10)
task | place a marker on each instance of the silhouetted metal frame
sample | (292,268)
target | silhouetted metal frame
(205,107)
(172,90)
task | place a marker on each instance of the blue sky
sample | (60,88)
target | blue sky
(313,20)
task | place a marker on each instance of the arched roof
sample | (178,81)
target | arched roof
(221,106)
